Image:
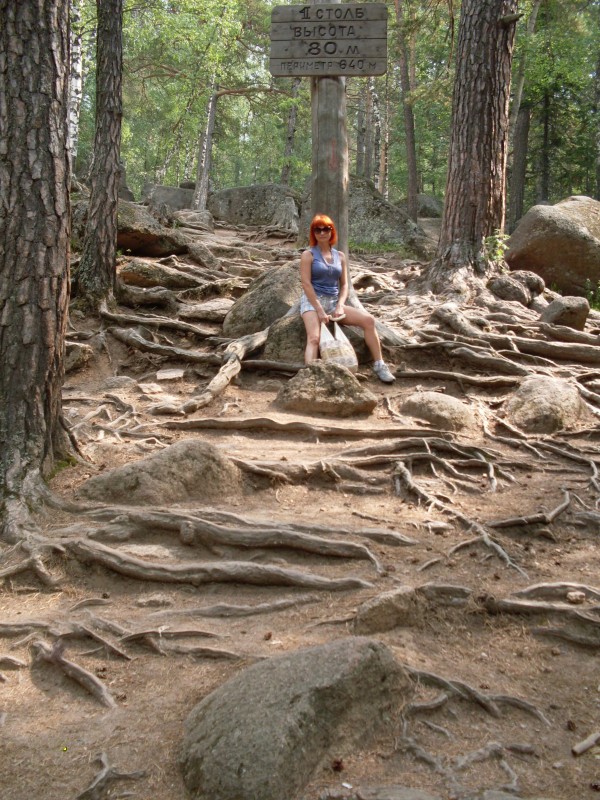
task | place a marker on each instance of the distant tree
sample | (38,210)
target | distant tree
(34,252)
(475,193)
(96,272)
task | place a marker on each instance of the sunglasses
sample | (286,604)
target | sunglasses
(324,229)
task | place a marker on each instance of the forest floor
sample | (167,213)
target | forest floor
(53,730)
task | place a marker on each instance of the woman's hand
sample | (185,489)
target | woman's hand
(339,312)
(323,317)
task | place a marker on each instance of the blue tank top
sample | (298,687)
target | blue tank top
(325,277)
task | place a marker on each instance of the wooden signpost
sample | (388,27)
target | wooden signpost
(329,39)
(329,42)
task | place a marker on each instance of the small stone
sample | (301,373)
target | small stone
(576,598)
(150,388)
(156,600)
(170,374)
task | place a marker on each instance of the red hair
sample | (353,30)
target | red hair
(319,221)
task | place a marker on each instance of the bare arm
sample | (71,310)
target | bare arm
(343,296)
(305,277)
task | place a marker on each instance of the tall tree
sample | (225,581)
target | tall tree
(475,204)
(96,273)
(34,256)
(402,18)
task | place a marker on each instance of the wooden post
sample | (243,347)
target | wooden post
(329,192)
(329,40)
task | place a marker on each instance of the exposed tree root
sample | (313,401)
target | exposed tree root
(199,573)
(152,321)
(54,655)
(107,775)
(227,610)
(304,428)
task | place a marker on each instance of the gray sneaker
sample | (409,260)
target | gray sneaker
(383,373)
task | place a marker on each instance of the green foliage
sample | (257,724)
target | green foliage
(592,293)
(372,248)
(495,246)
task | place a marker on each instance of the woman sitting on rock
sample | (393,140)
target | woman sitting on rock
(324,277)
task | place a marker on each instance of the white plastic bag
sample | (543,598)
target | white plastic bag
(335,347)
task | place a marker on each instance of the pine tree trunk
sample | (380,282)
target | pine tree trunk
(96,273)
(369,137)
(361,131)
(34,231)
(543,183)
(412,201)
(286,171)
(475,201)
(519,167)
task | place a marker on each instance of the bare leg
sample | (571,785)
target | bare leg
(364,320)
(313,331)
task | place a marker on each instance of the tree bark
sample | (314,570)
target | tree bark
(34,231)
(205,154)
(475,202)
(329,193)
(543,183)
(406,87)
(76,78)
(97,269)
(519,167)
(361,130)
(286,170)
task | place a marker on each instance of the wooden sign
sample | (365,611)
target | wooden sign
(329,39)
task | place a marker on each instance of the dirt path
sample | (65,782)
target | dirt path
(53,729)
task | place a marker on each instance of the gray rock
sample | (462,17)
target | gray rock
(264,733)
(427,206)
(506,287)
(569,311)
(534,283)
(373,220)
(174,197)
(441,410)
(262,204)
(543,405)
(268,298)
(187,471)
(77,355)
(380,793)
(398,607)
(203,255)
(119,382)
(561,243)
(200,220)
(328,389)
(286,341)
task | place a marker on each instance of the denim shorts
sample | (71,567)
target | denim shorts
(328,301)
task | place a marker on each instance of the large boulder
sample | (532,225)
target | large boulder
(262,204)
(286,341)
(572,312)
(322,388)
(188,471)
(263,734)
(268,298)
(373,220)
(544,405)
(138,232)
(174,197)
(441,410)
(427,206)
(561,243)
